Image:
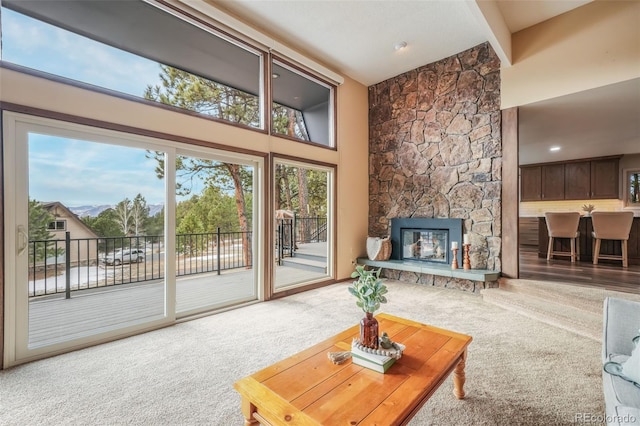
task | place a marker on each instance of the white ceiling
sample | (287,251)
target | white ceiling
(593,123)
(357,38)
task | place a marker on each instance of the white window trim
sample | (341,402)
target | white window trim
(16,127)
(331,171)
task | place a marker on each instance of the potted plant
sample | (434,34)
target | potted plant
(370,293)
(588,208)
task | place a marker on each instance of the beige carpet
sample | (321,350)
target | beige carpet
(519,371)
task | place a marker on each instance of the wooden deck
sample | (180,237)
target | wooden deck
(54,319)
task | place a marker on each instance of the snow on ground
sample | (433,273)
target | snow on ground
(83,275)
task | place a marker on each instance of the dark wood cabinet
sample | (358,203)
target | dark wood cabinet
(553,182)
(577,180)
(595,178)
(531,183)
(605,176)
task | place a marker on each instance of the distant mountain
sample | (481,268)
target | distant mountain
(93,211)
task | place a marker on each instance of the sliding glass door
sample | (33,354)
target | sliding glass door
(303,202)
(214,232)
(108,234)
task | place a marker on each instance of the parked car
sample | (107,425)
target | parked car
(124,256)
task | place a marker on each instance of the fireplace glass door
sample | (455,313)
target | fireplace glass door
(425,245)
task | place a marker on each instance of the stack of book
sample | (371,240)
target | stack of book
(377,362)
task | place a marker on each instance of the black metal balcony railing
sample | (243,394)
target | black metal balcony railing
(63,266)
(72,264)
(291,231)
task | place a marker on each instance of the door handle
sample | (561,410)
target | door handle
(22,240)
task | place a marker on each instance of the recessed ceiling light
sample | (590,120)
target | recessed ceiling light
(554,148)
(400,45)
(275,75)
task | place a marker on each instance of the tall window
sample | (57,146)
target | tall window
(135,48)
(303,204)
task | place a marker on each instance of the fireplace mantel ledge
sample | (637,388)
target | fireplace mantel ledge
(484,275)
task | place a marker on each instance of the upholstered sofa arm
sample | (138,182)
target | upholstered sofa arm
(621,321)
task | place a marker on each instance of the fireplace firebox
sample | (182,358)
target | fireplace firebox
(425,239)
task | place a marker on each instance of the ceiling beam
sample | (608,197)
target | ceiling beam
(490,18)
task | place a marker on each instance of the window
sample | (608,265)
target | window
(169,234)
(148,50)
(302,106)
(632,188)
(303,205)
(136,48)
(57,225)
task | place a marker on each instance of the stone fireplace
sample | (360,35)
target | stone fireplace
(425,239)
(435,152)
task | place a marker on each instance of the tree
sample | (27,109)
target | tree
(301,190)
(123,215)
(39,235)
(195,93)
(303,203)
(184,90)
(139,214)
(290,122)
(154,225)
(105,224)
(186,241)
(283,188)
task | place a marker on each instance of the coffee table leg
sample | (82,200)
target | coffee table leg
(459,377)
(247,411)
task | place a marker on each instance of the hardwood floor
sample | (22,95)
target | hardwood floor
(610,276)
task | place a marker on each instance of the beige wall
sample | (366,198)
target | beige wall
(350,157)
(592,46)
(83,251)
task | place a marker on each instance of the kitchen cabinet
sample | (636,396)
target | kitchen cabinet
(552,182)
(530,183)
(577,181)
(586,179)
(604,178)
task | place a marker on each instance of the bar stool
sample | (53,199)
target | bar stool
(611,226)
(563,225)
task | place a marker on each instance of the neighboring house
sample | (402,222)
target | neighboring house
(84,242)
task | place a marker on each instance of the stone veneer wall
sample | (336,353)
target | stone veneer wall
(435,151)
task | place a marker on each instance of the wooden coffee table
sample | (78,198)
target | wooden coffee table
(307,389)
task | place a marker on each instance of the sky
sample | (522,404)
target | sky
(35,44)
(76,172)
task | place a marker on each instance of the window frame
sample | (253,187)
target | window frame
(331,114)
(55,223)
(189,18)
(241,40)
(14,118)
(332,212)
(626,188)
